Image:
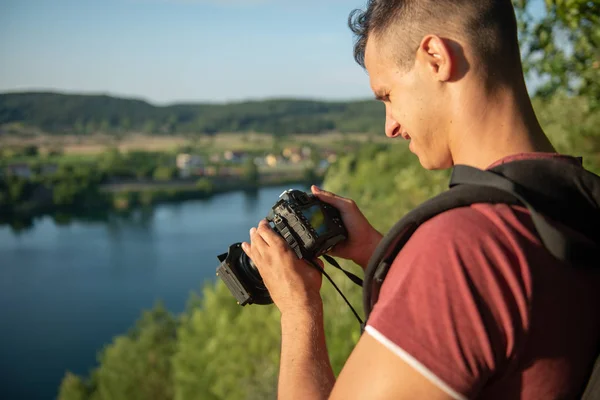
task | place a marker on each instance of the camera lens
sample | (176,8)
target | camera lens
(251,279)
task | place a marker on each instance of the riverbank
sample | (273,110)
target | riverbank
(125,197)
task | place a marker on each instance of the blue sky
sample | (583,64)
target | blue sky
(167,51)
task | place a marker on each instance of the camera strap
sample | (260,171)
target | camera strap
(350,275)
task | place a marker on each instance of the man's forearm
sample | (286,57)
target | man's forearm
(305,371)
(363,257)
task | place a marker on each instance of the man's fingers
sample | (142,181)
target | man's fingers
(268,235)
(341,203)
(247,247)
(257,242)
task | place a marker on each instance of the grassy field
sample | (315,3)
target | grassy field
(92,145)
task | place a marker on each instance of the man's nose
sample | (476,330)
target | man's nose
(392,127)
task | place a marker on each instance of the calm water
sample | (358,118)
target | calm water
(65,291)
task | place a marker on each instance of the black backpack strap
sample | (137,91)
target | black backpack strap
(389,247)
(563,191)
(576,251)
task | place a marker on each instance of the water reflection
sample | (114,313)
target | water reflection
(250,199)
(139,218)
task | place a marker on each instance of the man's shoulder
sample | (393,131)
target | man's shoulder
(466,226)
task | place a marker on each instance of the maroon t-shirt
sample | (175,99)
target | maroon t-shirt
(477,304)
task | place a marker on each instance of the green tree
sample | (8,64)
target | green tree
(205,185)
(138,365)
(79,126)
(18,189)
(30,151)
(149,127)
(164,173)
(250,172)
(563,46)
(225,351)
(72,387)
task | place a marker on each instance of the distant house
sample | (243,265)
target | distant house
(271,160)
(235,156)
(329,155)
(296,154)
(210,171)
(288,152)
(189,164)
(20,170)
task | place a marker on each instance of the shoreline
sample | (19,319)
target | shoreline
(124,202)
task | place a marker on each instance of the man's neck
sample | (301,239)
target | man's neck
(495,126)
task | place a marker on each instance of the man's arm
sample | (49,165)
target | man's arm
(373,371)
(305,371)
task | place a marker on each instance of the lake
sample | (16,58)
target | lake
(66,290)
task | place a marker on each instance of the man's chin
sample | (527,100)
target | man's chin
(433,165)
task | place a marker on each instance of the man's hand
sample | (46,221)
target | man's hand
(292,283)
(362,237)
(305,369)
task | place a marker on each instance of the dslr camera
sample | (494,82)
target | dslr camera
(309,226)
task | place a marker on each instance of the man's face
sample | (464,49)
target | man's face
(415,104)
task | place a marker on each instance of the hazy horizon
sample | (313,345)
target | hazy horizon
(183,51)
(179,102)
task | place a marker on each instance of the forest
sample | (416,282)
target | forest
(57,113)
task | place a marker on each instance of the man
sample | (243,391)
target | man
(474,305)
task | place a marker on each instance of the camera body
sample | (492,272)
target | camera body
(309,226)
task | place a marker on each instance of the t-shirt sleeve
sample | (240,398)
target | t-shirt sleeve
(455,302)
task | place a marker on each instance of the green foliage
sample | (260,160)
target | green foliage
(30,151)
(205,185)
(82,114)
(385,181)
(250,172)
(164,173)
(138,365)
(73,388)
(226,351)
(75,186)
(563,46)
(17,189)
(572,126)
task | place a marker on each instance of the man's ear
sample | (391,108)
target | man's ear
(436,55)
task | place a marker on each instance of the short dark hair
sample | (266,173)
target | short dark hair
(490,27)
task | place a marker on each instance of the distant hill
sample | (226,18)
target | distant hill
(57,113)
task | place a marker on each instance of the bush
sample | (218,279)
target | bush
(205,185)
(164,173)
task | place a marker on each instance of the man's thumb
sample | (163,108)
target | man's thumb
(327,197)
